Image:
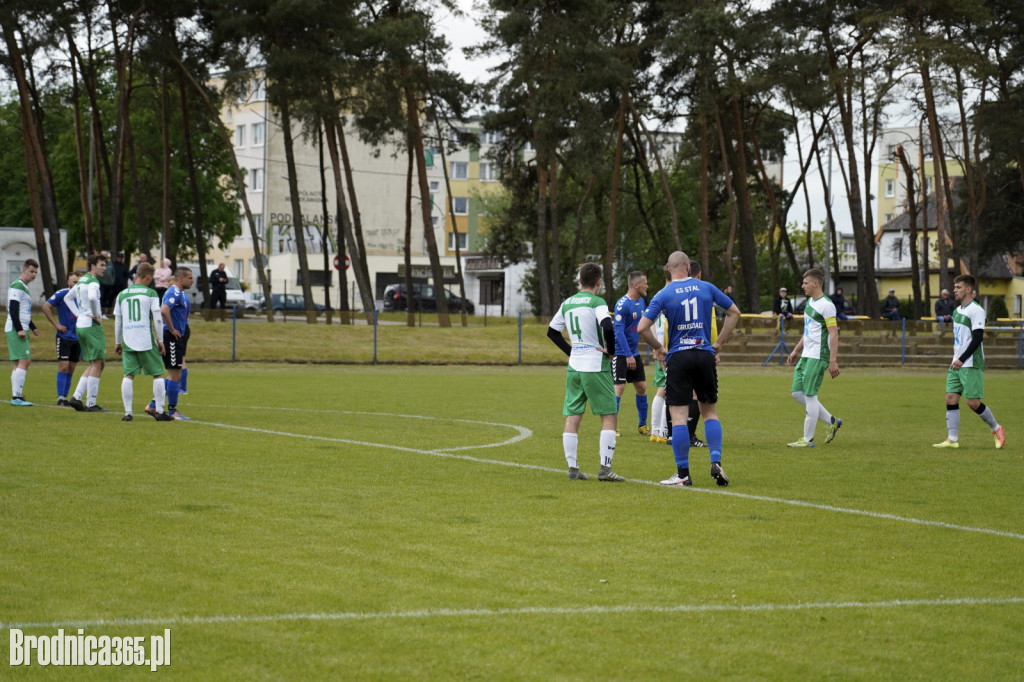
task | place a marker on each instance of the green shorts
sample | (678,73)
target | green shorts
(17,347)
(93,343)
(148,362)
(595,387)
(966,381)
(659,375)
(808,375)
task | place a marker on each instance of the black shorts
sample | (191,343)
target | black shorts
(621,373)
(689,371)
(68,350)
(174,349)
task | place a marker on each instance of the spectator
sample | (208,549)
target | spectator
(162,278)
(120,276)
(143,258)
(839,301)
(219,288)
(782,306)
(944,307)
(891,307)
(108,290)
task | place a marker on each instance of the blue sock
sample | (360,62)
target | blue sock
(618,399)
(713,434)
(63,383)
(681,446)
(183,384)
(641,408)
(172,394)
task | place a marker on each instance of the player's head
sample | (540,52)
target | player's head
(183,277)
(590,275)
(638,282)
(964,288)
(73,277)
(813,279)
(695,269)
(678,264)
(29,270)
(143,271)
(97,263)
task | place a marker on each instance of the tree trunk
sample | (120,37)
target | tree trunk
(197,203)
(354,228)
(609,257)
(293,189)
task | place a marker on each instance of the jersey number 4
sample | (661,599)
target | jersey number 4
(574,327)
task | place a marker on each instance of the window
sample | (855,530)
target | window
(433,221)
(259,134)
(492,137)
(259,90)
(461,205)
(458,170)
(240,136)
(463,240)
(434,185)
(489,172)
(492,290)
(890,188)
(258,219)
(242,92)
(257,180)
(887,218)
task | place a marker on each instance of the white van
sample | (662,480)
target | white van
(235,296)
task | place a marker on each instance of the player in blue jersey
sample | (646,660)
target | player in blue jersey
(175,309)
(68,350)
(628,366)
(691,359)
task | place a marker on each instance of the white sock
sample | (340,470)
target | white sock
(570,443)
(159,393)
(83,385)
(800,397)
(823,414)
(127,393)
(988,418)
(953,424)
(93,391)
(17,381)
(658,416)
(810,415)
(607,447)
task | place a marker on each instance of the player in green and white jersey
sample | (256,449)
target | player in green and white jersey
(820,347)
(87,298)
(588,378)
(19,323)
(659,410)
(966,373)
(136,319)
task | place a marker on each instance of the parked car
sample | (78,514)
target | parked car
(254,301)
(294,302)
(423,298)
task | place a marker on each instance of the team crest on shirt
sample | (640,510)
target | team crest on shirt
(618,317)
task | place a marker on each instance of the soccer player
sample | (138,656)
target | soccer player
(174,310)
(588,377)
(659,421)
(137,320)
(86,295)
(628,366)
(691,360)
(19,323)
(69,352)
(820,346)
(966,373)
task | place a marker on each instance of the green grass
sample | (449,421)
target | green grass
(350,522)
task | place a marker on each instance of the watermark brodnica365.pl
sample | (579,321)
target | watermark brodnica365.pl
(82,649)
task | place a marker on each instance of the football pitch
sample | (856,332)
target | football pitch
(396,523)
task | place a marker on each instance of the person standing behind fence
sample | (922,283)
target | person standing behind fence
(966,374)
(19,323)
(137,325)
(628,365)
(588,377)
(820,346)
(688,305)
(90,335)
(175,310)
(219,288)
(68,350)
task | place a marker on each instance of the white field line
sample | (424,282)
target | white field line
(523,433)
(522,611)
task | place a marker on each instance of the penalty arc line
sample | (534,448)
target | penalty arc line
(448,453)
(522,611)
